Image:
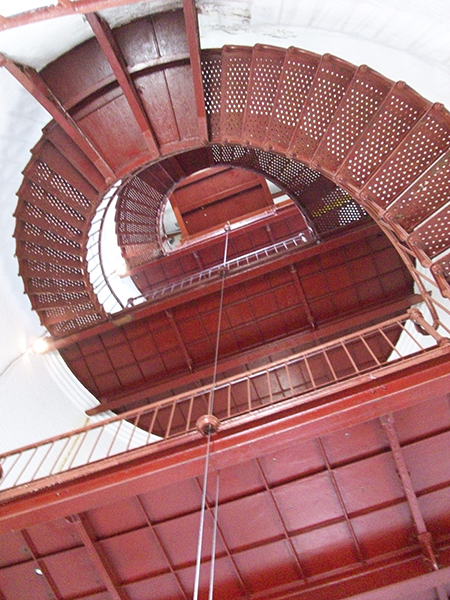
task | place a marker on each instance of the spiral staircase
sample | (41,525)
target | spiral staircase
(139,109)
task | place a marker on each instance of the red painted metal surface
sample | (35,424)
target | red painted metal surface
(303,510)
(315,503)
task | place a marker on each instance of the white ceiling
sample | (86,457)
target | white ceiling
(403,39)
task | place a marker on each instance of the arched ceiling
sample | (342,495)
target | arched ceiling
(403,40)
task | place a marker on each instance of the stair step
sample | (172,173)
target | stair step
(27,232)
(296,78)
(73,302)
(236,61)
(34,215)
(432,237)
(265,70)
(31,251)
(62,314)
(212,76)
(361,100)
(36,195)
(63,170)
(397,114)
(425,196)
(42,285)
(59,138)
(425,143)
(332,78)
(40,174)
(49,270)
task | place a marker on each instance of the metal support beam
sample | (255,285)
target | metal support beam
(157,465)
(173,323)
(143,394)
(111,50)
(34,84)
(413,587)
(95,554)
(302,296)
(424,536)
(41,565)
(331,474)
(190,16)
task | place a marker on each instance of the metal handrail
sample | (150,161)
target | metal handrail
(298,378)
(236,263)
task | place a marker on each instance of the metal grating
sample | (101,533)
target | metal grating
(138,220)
(266,66)
(236,63)
(327,90)
(424,144)
(336,209)
(426,195)
(397,115)
(433,236)
(295,81)
(361,100)
(55,184)
(212,77)
(290,174)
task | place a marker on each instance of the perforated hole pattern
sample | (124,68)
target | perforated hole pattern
(434,234)
(361,101)
(428,194)
(236,73)
(423,145)
(396,117)
(212,77)
(264,79)
(326,92)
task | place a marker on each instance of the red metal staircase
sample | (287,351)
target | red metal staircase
(333,136)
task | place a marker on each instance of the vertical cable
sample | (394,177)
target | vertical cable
(202,522)
(214,540)
(219,324)
(208,446)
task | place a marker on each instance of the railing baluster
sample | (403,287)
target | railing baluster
(152,423)
(95,444)
(350,357)
(61,452)
(42,461)
(79,441)
(288,374)
(311,378)
(189,415)
(269,387)
(25,467)
(114,438)
(333,372)
(169,424)
(369,349)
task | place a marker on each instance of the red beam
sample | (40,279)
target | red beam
(34,84)
(145,393)
(144,311)
(54,592)
(111,50)
(100,563)
(424,536)
(413,587)
(190,17)
(239,440)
